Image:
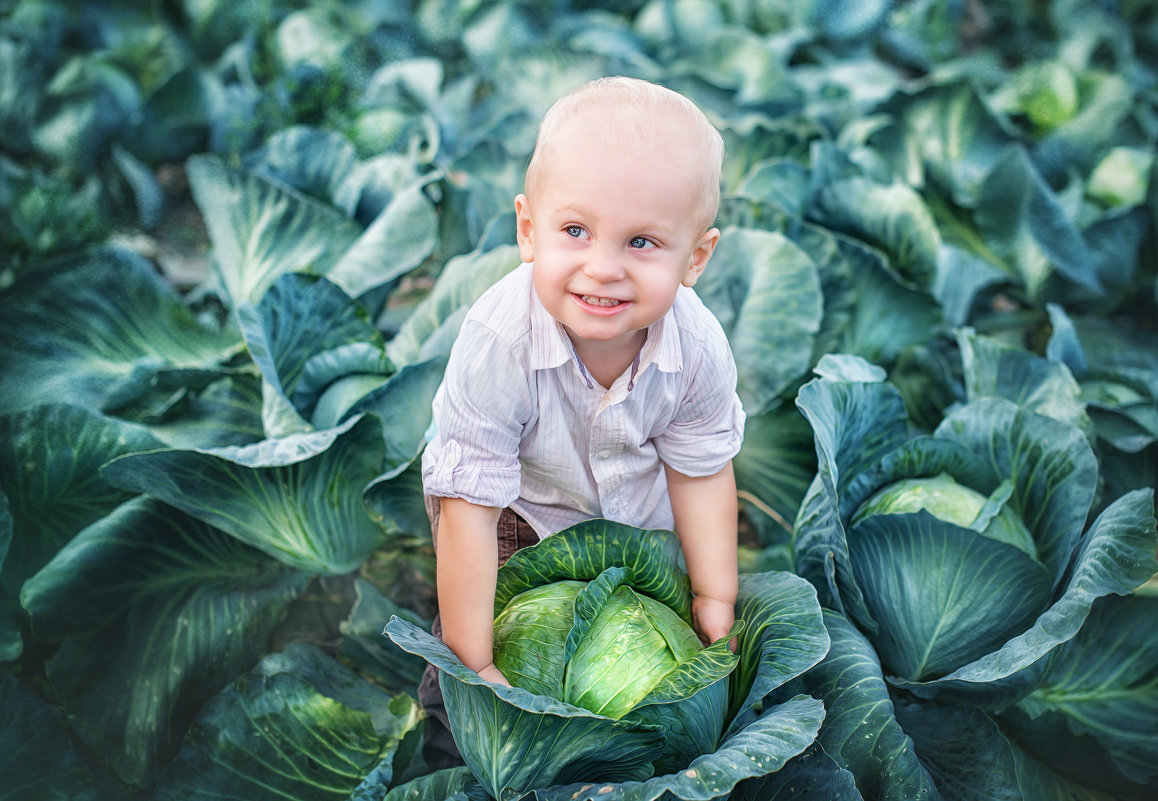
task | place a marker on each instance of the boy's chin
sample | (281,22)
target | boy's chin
(602,335)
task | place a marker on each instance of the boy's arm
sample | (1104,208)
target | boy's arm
(466,571)
(705,511)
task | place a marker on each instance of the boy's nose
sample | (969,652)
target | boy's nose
(604,267)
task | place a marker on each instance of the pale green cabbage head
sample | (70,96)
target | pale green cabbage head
(944,498)
(632,643)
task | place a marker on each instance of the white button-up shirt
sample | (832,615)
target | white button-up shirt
(519,422)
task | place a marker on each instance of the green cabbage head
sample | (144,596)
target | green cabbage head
(981,598)
(950,587)
(626,648)
(613,694)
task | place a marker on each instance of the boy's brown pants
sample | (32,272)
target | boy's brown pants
(439,750)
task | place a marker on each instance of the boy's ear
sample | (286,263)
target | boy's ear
(701,255)
(524,228)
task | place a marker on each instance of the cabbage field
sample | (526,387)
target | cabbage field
(238,237)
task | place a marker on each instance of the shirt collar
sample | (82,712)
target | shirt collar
(551,348)
(549,344)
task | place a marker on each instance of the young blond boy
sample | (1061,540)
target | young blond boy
(591,381)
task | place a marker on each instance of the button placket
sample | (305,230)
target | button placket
(606,442)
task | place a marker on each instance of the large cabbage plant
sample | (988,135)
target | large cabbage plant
(988,638)
(614,697)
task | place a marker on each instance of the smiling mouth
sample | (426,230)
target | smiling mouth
(597,301)
(600,306)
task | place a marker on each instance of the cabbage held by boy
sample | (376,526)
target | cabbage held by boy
(614,696)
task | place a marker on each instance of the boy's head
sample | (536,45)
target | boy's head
(636,117)
(620,194)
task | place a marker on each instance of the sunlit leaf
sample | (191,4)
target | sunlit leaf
(299,499)
(307,733)
(261,230)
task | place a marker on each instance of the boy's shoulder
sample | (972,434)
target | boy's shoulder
(505,307)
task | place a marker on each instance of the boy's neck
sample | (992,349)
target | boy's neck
(606,361)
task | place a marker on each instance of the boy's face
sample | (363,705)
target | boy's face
(612,236)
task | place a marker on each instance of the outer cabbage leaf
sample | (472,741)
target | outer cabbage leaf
(860,729)
(974,592)
(784,636)
(404,404)
(154,612)
(50,459)
(1118,375)
(963,750)
(860,290)
(1038,782)
(961,277)
(227,412)
(173,120)
(956,137)
(304,334)
(398,240)
(441,785)
(299,499)
(37,757)
(102,330)
(993,369)
(813,772)
(431,327)
(853,424)
(1025,225)
(311,160)
(1101,685)
(364,648)
(892,218)
(261,229)
(396,501)
(765,291)
(300,725)
(761,748)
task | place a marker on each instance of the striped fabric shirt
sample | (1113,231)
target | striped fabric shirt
(519,422)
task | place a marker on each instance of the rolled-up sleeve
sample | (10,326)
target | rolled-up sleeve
(479,413)
(708,429)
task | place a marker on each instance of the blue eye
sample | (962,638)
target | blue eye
(574,231)
(640,242)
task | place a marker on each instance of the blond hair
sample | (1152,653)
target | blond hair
(637,116)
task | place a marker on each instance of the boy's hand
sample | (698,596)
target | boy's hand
(494,675)
(713,619)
